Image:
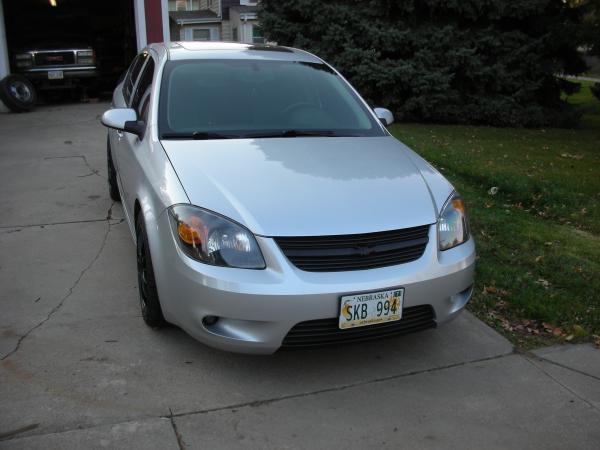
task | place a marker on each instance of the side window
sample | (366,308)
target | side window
(132,75)
(141,97)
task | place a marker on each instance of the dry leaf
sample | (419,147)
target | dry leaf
(489,290)
(557,331)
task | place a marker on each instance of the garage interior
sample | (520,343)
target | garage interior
(108,26)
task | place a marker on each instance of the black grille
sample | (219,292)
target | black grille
(355,251)
(54,58)
(316,333)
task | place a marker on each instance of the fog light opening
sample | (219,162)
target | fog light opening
(209,321)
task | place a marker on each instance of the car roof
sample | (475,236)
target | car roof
(233,50)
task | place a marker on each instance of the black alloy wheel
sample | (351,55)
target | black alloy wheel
(113,186)
(149,303)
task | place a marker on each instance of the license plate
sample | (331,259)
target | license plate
(55,75)
(368,309)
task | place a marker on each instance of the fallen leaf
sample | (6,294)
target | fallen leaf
(489,290)
(493,190)
(569,338)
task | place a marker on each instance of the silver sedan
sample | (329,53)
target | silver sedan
(270,206)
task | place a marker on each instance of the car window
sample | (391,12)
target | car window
(250,97)
(132,75)
(141,98)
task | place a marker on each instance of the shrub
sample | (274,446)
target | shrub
(457,61)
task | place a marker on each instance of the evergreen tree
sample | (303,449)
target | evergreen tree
(458,61)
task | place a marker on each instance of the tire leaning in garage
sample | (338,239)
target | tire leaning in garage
(149,303)
(18,93)
(113,187)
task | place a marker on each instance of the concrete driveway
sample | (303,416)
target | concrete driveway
(79,369)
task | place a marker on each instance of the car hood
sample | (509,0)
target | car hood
(305,186)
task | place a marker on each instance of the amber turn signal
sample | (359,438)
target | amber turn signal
(190,233)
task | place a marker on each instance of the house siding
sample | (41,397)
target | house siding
(226,34)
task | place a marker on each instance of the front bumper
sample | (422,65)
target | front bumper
(70,74)
(257,308)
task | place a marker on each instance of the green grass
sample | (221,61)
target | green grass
(538,237)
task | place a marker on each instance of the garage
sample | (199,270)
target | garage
(77,48)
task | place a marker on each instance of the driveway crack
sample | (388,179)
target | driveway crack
(85,161)
(343,387)
(59,305)
(180,442)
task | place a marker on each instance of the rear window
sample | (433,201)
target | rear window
(246,97)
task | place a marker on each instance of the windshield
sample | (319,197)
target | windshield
(212,99)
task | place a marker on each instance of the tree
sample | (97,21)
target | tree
(460,61)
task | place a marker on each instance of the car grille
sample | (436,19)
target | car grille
(54,58)
(322,332)
(355,251)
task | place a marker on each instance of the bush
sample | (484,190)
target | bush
(457,61)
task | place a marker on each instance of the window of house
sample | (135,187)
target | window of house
(200,34)
(234,34)
(257,35)
(181,5)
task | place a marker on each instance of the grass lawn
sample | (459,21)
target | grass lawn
(538,230)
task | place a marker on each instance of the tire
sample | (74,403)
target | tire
(149,303)
(113,186)
(18,93)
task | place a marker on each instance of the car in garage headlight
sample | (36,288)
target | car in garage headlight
(24,60)
(453,225)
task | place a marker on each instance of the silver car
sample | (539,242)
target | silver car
(270,206)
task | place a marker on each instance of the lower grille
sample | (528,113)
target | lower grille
(322,332)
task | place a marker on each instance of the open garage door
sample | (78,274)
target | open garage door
(97,35)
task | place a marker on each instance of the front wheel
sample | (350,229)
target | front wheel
(149,303)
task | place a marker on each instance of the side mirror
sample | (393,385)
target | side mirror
(385,115)
(124,119)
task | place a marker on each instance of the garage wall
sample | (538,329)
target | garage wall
(4,68)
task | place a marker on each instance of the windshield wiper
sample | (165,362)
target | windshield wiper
(291,134)
(197,135)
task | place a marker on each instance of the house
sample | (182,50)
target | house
(214,20)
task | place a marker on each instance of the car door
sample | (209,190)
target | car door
(122,99)
(132,147)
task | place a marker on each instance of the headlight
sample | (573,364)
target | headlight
(213,239)
(24,60)
(85,57)
(453,226)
